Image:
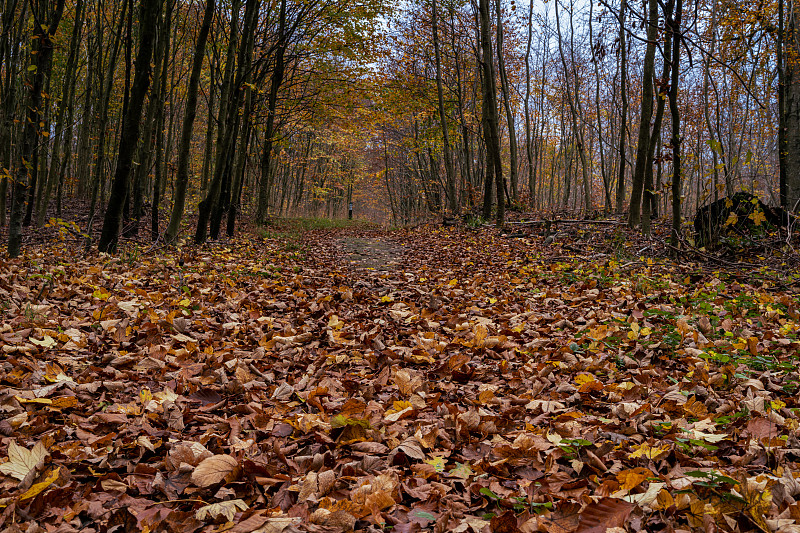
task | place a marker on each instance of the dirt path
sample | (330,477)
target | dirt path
(370,253)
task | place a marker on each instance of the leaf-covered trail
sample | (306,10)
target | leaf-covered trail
(476,383)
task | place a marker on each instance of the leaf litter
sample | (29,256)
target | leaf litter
(471,383)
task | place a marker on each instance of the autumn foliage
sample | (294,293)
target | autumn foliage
(429,379)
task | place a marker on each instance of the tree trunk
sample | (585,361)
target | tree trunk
(623,126)
(792,109)
(490,103)
(504,86)
(448,159)
(650,198)
(41,54)
(184,145)
(210,205)
(675,25)
(275,83)
(646,115)
(67,96)
(159,126)
(528,140)
(129,139)
(781,64)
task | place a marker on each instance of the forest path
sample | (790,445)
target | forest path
(371,253)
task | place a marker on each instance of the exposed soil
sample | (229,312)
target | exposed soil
(371,253)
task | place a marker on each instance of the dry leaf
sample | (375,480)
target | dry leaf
(22,461)
(227,509)
(213,470)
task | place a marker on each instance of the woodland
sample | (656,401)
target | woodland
(346,265)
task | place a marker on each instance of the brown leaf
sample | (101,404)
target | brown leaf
(213,470)
(505,523)
(607,513)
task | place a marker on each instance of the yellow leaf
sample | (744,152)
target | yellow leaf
(43,401)
(732,219)
(64,402)
(757,217)
(145,396)
(582,379)
(437,462)
(630,479)
(481,333)
(663,501)
(599,333)
(100,294)
(646,451)
(777,404)
(37,488)
(387,298)
(398,406)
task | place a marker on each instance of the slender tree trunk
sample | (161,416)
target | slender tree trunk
(646,115)
(184,144)
(68,94)
(448,159)
(506,89)
(528,140)
(41,57)
(595,63)
(574,113)
(490,102)
(160,119)
(13,20)
(716,145)
(129,139)
(675,25)
(106,81)
(782,145)
(650,198)
(275,83)
(210,204)
(623,127)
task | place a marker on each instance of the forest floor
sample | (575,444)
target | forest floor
(426,379)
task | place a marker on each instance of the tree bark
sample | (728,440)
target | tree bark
(675,25)
(504,86)
(490,105)
(275,83)
(646,115)
(184,144)
(129,139)
(623,125)
(792,109)
(41,54)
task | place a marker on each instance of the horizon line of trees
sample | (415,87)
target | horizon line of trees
(163,108)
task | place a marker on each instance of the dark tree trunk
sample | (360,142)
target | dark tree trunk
(675,28)
(41,57)
(490,102)
(643,144)
(184,144)
(129,139)
(623,127)
(265,187)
